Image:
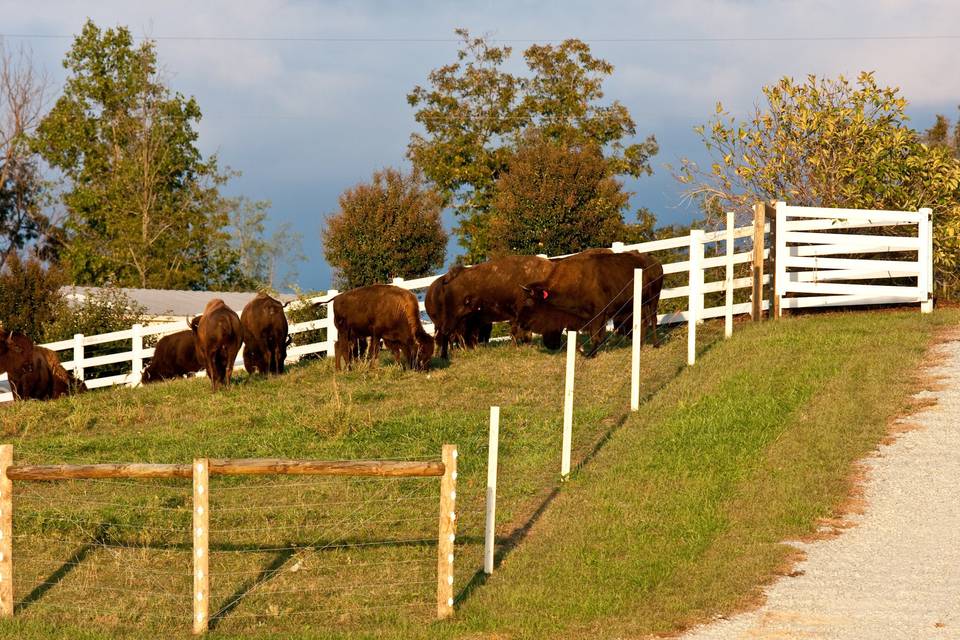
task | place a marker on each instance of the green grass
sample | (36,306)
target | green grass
(678,512)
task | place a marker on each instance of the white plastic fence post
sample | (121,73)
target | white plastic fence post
(136,359)
(925,261)
(617,247)
(695,295)
(398,282)
(728,279)
(489,540)
(331,327)
(78,355)
(568,404)
(779,263)
(637,339)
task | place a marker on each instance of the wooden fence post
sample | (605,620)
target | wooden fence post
(331,327)
(728,278)
(925,260)
(778,270)
(756,297)
(448,526)
(637,339)
(78,356)
(6,532)
(136,359)
(201,545)
(695,295)
(568,404)
(489,537)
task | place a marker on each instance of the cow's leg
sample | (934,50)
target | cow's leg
(374,350)
(597,331)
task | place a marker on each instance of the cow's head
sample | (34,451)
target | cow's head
(425,346)
(149,375)
(194,324)
(536,293)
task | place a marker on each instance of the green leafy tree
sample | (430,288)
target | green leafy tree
(30,297)
(143,205)
(939,135)
(474,115)
(556,199)
(262,257)
(831,143)
(387,228)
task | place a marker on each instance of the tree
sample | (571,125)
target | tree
(22,189)
(261,257)
(830,143)
(939,135)
(143,205)
(387,228)
(556,199)
(474,116)
(31,295)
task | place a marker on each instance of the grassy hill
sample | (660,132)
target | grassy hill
(677,513)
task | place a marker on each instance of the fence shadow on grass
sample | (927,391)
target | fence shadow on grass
(55,578)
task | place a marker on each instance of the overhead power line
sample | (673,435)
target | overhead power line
(424,40)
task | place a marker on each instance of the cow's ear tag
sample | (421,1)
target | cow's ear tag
(545,294)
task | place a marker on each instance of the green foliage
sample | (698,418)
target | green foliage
(104,311)
(831,143)
(384,229)
(260,257)
(556,199)
(474,115)
(29,295)
(143,205)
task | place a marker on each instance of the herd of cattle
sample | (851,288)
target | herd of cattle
(581,292)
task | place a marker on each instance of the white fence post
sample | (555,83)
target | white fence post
(728,279)
(637,339)
(617,247)
(695,295)
(331,327)
(925,260)
(136,358)
(489,539)
(780,260)
(568,405)
(78,356)
(398,282)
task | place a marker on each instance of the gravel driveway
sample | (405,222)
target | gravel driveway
(896,572)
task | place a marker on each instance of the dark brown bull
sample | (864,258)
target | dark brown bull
(265,338)
(381,312)
(174,357)
(585,291)
(218,334)
(471,332)
(34,372)
(485,293)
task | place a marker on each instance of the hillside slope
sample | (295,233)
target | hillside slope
(679,514)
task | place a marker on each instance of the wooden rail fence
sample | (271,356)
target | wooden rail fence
(200,472)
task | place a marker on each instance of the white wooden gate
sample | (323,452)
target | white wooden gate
(812,269)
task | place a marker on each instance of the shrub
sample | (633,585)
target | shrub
(29,295)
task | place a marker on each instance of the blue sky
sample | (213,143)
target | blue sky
(305,119)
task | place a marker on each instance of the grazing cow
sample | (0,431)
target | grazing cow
(265,338)
(471,332)
(586,290)
(485,293)
(34,372)
(218,335)
(174,357)
(381,312)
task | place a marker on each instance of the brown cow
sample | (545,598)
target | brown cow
(381,312)
(585,291)
(265,336)
(174,357)
(471,332)
(218,334)
(488,292)
(34,372)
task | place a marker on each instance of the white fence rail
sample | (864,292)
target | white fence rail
(799,248)
(807,274)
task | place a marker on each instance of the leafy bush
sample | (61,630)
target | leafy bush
(102,312)
(29,295)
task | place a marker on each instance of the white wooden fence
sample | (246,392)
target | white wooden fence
(725,247)
(808,273)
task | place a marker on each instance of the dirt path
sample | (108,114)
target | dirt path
(896,572)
